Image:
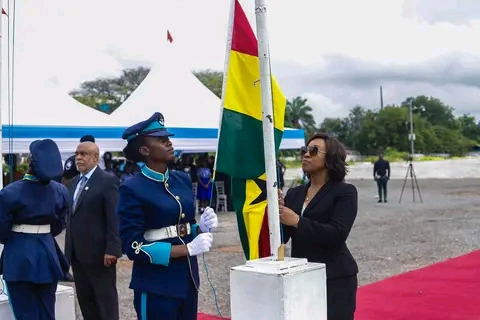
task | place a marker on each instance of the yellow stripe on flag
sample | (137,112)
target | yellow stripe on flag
(242,92)
(253,215)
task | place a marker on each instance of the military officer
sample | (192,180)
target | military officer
(158,227)
(32,213)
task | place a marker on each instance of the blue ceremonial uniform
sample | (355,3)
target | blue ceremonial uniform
(164,288)
(32,213)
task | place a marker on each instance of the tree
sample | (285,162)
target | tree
(298,114)
(213,80)
(107,94)
(434,110)
(436,128)
(469,128)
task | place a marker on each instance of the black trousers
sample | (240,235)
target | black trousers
(342,298)
(96,288)
(382,186)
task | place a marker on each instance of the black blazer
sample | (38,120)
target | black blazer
(324,227)
(93,227)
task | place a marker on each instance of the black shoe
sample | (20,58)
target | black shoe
(385,201)
(380,201)
(68,277)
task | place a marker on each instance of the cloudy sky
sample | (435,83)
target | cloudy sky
(335,53)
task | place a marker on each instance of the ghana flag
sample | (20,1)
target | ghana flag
(240,144)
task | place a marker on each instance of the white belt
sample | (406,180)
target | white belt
(30,228)
(167,232)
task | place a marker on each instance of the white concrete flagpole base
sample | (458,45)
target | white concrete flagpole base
(278,290)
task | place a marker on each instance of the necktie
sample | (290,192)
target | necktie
(81,185)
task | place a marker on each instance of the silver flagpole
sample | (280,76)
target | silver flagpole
(276,247)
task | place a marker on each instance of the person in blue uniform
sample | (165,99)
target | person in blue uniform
(158,227)
(32,213)
(204,191)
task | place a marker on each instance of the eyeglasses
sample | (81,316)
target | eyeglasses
(313,150)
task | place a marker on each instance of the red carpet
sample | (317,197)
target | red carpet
(448,290)
(203,316)
(445,290)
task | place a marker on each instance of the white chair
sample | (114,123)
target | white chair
(195,201)
(221,197)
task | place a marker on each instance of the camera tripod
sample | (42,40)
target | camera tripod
(413,177)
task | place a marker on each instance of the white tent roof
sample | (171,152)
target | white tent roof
(172,89)
(190,109)
(48,106)
(43,111)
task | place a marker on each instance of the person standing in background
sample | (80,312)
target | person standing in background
(70,169)
(211,162)
(281,173)
(205,188)
(381,174)
(92,241)
(32,213)
(189,167)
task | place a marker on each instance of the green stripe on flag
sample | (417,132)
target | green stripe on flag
(240,146)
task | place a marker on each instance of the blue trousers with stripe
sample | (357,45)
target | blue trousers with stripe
(150,306)
(32,301)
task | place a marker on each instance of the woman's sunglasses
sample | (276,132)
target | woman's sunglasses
(313,150)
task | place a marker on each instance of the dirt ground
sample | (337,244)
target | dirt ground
(387,238)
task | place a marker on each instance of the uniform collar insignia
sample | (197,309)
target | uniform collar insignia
(154,175)
(30,177)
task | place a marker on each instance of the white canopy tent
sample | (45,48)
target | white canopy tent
(190,109)
(45,112)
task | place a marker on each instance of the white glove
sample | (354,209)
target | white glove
(208,220)
(202,243)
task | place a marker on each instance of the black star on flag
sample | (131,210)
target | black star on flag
(262,185)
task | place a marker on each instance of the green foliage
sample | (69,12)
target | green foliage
(297,163)
(436,129)
(107,94)
(213,80)
(430,158)
(391,155)
(22,167)
(298,114)
(367,131)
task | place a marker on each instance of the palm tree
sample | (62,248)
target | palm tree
(298,114)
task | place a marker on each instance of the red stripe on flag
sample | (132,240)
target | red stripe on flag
(243,38)
(264,239)
(169,37)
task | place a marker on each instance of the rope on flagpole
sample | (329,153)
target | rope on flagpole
(214,291)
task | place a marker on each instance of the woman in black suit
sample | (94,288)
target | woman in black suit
(318,217)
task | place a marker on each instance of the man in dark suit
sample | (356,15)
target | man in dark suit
(381,174)
(69,169)
(92,242)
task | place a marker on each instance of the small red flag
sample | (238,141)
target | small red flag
(4,12)
(169,37)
